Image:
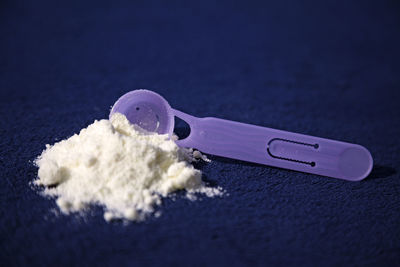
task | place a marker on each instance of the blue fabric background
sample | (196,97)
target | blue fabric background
(324,68)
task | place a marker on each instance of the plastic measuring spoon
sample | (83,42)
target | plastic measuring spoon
(248,142)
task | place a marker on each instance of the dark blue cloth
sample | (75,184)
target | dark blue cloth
(324,68)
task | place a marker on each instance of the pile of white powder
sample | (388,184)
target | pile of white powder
(119,166)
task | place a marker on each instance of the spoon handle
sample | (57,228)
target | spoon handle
(277,148)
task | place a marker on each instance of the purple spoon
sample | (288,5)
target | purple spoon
(248,142)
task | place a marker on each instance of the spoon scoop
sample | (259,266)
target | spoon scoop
(248,142)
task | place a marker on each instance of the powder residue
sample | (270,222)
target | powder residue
(119,166)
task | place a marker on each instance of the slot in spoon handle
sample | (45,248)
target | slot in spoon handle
(277,148)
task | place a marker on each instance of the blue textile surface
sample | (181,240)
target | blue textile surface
(324,68)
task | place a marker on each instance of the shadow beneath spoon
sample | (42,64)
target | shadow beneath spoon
(379,172)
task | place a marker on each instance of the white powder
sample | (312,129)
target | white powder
(119,166)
